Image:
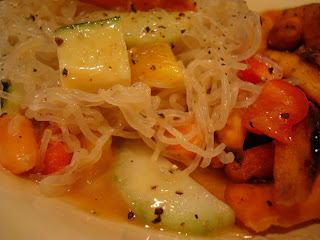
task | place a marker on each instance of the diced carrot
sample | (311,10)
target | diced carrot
(178,152)
(145,5)
(294,164)
(19,149)
(256,162)
(55,158)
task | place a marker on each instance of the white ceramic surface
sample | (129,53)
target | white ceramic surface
(26,215)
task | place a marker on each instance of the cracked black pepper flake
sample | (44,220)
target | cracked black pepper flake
(182,14)
(32,17)
(147,29)
(209,52)
(196,216)
(130,215)
(179,192)
(153,187)
(161,115)
(183,30)
(153,67)
(162,27)
(58,41)
(133,9)
(285,115)
(269,203)
(65,72)
(172,46)
(158,210)
(270,69)
(251,124)
(35,70)
(133,61)
(157,219)
(182,224)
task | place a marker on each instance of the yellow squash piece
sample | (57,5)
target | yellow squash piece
(294,66)
(156,66)
(93,55)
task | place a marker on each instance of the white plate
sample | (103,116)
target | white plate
(25,214)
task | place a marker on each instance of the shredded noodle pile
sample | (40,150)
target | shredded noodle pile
(224,32)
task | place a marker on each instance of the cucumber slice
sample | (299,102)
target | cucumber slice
(144,28)
(93,55)
(187,206)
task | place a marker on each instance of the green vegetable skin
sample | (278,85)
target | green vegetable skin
(11,106)
(142,28)
(187,206)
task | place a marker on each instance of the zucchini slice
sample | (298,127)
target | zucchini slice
(181,204)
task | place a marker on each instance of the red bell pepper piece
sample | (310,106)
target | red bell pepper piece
(55,158)
(259,69)
(279,106)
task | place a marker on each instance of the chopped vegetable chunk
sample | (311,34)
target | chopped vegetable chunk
(19,149)
(279,106)
(156,66)
(93,55)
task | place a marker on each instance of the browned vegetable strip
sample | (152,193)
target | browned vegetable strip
(294,66)
(252,204)
(294,164)
(310,15)
(256,162)
(255,206)
(286,34)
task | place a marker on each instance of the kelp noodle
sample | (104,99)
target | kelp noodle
(224,32)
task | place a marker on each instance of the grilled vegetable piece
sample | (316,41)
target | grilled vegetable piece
(156,66)
(145,5)
(309,15)
(145,28)
(19,149)
(286,34)
(294,29)
(279,106)
(295,164)
(255,162)
(93,55)
(157,200)
(295,67)
(255,206)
